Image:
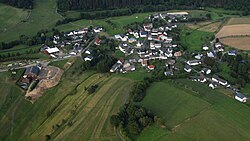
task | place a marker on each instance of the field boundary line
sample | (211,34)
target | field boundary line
(173,130)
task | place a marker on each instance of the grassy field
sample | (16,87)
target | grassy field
(194,39)
(59,64)
(43,16)
(118,22)
(10,16)
(193,111)
(67,111)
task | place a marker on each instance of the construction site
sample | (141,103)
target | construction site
(47,78)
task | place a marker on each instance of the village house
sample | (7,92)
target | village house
(116,66)
(205,48)
(240,97)
(143,34)
(210,54)
(126,48)
(201,79)
(206,71)
(151,67)
(73,52)
(193,62)
(132,40)
(88,58)
(187,68)
(144,63)
(97,41)
(198,56)
(219,47)
(232,53)
(148,27)
(213,85)
(168,73)
(139,44)
(219,80)
(178,54)
(98,29)
(88,51)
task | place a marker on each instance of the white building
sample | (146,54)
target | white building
(194,62)
(215,78)
(240,97)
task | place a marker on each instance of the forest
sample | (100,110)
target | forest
(28,4)
(91,5)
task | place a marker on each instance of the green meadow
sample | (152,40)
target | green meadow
(10,16)
(194,39)
(43,16)
(192,111)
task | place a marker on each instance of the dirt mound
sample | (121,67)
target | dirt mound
(52,78)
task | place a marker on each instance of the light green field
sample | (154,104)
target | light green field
(59,64)
(43,16)
(68,107)
(222,119)
(171,104)
(10,16)
(195,39)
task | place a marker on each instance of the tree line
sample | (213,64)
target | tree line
(132,119)
(41,37)
(93,5)
(28,4)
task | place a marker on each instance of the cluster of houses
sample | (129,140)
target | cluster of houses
(31,74)
(124,66)
(150,43)
(77,39)
(213,81)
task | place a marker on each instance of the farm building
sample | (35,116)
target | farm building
(219,80)
(32,72)
(240,97)
(52,50)
(194,62)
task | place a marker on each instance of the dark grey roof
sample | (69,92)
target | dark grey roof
(34,70)
(240,95)
(219,79)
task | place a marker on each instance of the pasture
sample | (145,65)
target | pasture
(11,16)
(242,43)
(194,39)
(211,113)
(43,16)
